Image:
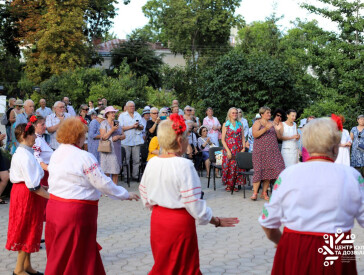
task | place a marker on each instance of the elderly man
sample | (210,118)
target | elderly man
(130,121)
(53,121)
(175,102)
(28,112)
(43,110)
(69,109)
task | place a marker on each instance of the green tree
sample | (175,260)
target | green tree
(8,30)
(141,59)
(193,28)
(10,71)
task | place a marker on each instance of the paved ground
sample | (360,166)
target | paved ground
(123,232)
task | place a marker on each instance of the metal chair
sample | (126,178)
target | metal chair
(213,164)
(244,161)
(125,164)
(144,150)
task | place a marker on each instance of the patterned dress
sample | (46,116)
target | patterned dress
(93,144)
(357,156)
(267,159)
(234,141)
(111,162)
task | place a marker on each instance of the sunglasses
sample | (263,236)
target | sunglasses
(188,110)
(164,112)
(85,109)
(279,115)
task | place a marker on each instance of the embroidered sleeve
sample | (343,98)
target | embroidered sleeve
(37,150)
(272,212)
(190,192)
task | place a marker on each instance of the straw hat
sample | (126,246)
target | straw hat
(19,102)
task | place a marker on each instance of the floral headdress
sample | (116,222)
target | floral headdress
(179,125)
(32,120)
(338,121)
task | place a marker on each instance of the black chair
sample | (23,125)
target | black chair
(244,161)
(125,164)
(144,150)
(213,164)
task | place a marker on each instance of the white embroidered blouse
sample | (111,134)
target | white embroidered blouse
(25,168)
(75,174)
(316,196)
(173,183)
(42,150)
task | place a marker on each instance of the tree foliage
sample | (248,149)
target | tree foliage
(193,27)
(141,59)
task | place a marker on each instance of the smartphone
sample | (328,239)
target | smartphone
(163,117)
(137,120)
(116,123)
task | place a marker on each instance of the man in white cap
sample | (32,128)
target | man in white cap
(130,123)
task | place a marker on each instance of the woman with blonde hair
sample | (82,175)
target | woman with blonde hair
(171,188)
(233,140)
(315,200)
(267,159)
(76,183)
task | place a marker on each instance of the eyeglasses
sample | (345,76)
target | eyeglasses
(188,110)
(164,112)
(153,113)
(234,113)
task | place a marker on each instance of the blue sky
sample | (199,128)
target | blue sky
(131,16)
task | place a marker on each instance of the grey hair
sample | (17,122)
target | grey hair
(154,109)
(56,103)
(28,101)
(127,104)
(81,107)
(162,110)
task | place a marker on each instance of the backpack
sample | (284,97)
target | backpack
(4,119)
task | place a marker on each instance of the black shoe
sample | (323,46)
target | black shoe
(42,241)
(36,273)
(135,179)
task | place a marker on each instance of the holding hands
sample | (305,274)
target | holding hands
(133,196)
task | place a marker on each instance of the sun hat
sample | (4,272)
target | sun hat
(101,114)
(109,109)
(199,131)
(146,110)
(19,102)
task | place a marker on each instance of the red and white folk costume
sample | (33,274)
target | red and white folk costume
(75,186)
(172,188)
(26,208)
(312,199)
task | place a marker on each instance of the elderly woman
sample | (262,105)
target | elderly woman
(152,124)
(213,125)
(111,130)
(357,154)
(171,188)
(267,159)
(233,140)
(309,222)
(204,144)
(26,210)
(94,135)
(290,138)
(76,183)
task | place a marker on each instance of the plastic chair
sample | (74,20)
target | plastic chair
(244,161)
(125,164)
(213,164)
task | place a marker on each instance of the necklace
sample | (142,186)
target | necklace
(321,157)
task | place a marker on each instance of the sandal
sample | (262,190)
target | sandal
(228,189)
(3,202)
(265,196)
(236,189)
(254,197)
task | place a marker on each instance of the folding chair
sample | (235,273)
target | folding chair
(125,164)
(244,161)
(213,164)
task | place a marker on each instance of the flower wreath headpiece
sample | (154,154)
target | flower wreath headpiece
(338,121)
(30,122)
(179,124)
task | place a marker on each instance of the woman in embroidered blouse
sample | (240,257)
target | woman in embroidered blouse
(213,125)
(233,140)
(26,210)
(298,203)
(171,188)
(76,183)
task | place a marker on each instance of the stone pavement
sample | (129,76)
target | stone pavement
(123,232)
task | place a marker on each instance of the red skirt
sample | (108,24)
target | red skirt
(25,219)
(174,242)
(297,253)
(70,237)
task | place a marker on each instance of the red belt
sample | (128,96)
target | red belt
(287,230)
(53,197)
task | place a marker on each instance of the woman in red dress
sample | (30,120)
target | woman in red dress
(267,159)
(26,201)
(233,141)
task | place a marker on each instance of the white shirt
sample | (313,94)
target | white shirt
(25,168)
(173,183)
(289,131)
(75,174)
(343,156)
(53,120)
(133,136)
(42,150)
(245,126)
(44,112)
(316,196)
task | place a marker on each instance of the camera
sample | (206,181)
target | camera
(116,123)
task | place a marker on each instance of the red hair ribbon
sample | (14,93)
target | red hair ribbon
(338,121)
(179,125)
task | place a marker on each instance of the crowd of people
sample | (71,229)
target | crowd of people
(64,161)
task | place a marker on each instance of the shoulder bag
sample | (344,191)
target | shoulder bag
(104,145)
